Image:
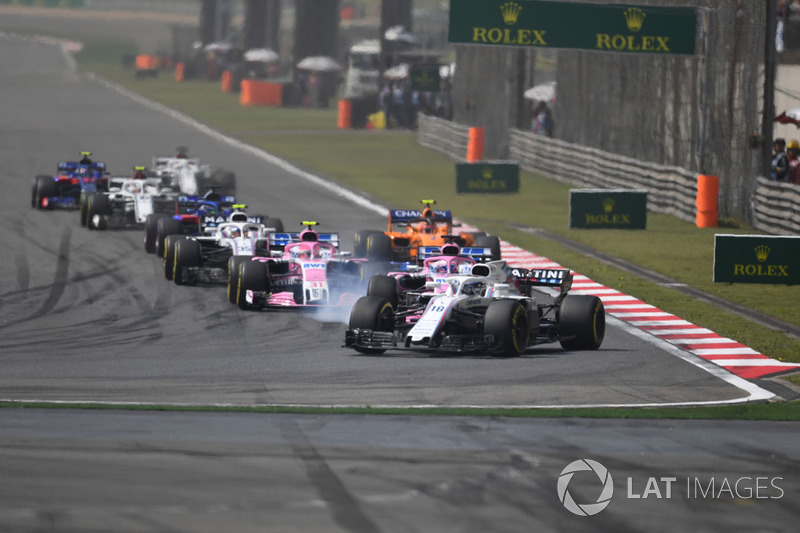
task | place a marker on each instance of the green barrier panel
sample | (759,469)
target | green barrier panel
(757,259)
(608,208)
(487,177)
(425,78)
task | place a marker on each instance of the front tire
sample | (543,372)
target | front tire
(234,265)
(97,209)
(151,232)
(43,188)
(581,322)
(165,227)
(252,277)
(383,287)
(169,254)
(508,321)
(372,313)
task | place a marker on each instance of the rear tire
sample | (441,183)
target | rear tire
(379,247)
(508,320)
(274,223)
(98,208)
(151,232)
(489,241)
(169,254)
(581,322)
(383,287)
(165,227)
(360,242)
(372,313)
(187,254)
(234,264)
(43,187)
(252,277)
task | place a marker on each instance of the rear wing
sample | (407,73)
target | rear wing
(413,215)
(481,255)
(543,277)
(280,240)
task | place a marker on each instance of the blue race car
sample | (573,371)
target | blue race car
(74,180)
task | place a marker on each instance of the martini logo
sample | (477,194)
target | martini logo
(590,508)
(510,11)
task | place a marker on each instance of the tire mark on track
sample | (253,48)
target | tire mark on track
(60,277)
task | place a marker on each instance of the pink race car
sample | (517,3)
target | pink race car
(305,269)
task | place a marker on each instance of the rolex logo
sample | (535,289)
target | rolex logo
(510,11)
(762,251)
(487,173)
(635,18)
(608,205)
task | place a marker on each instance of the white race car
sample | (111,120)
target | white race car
(187,176)
(491,310)
(127,203)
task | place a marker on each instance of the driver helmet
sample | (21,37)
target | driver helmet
(235,232)
(138,173)
(472,288)
(438,267)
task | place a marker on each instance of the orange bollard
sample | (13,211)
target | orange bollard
(475,145)
(706,201)
(227,81)
(247,92)
(180,72)
(344,122)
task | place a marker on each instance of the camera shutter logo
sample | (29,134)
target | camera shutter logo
(586,509)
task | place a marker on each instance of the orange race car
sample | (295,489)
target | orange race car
(410,229)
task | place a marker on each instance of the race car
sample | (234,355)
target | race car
(205,259)
(128,202)
(68,188)
(189,177)
(481,312)
(305,269)
(408,230)
(437,264)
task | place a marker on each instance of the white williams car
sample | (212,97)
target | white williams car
(491,310)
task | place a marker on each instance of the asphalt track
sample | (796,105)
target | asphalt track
(87,317)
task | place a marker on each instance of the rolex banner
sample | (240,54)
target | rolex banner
(598,27)
(487,177)
(608,208)
(757,259)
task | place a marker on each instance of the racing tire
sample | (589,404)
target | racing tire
(276,223)
(360,242)
(507,320)
(234,265)
(489,241)
(169,254)
(165,227)
(379,247)
(151,232)
(383,287)
(97,208)
(372,313)
(252,277)
(187,254)
(581,322)
(43,187)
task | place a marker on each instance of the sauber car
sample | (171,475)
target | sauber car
(408,230)
(491,310)
(305,269)
(188,176)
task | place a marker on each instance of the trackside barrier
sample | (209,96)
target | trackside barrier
(344,120)
(147,62)
(260,93)
(707,196)
(227,81)
(475,145)
(180,72)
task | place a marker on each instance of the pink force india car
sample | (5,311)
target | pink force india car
(305,269)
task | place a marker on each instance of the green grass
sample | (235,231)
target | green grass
(753,411)
(392,168)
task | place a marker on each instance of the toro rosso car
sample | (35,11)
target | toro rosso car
(128,202)
(189,260)
(305,269)
(408,230)
(491,310)
(74,180)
